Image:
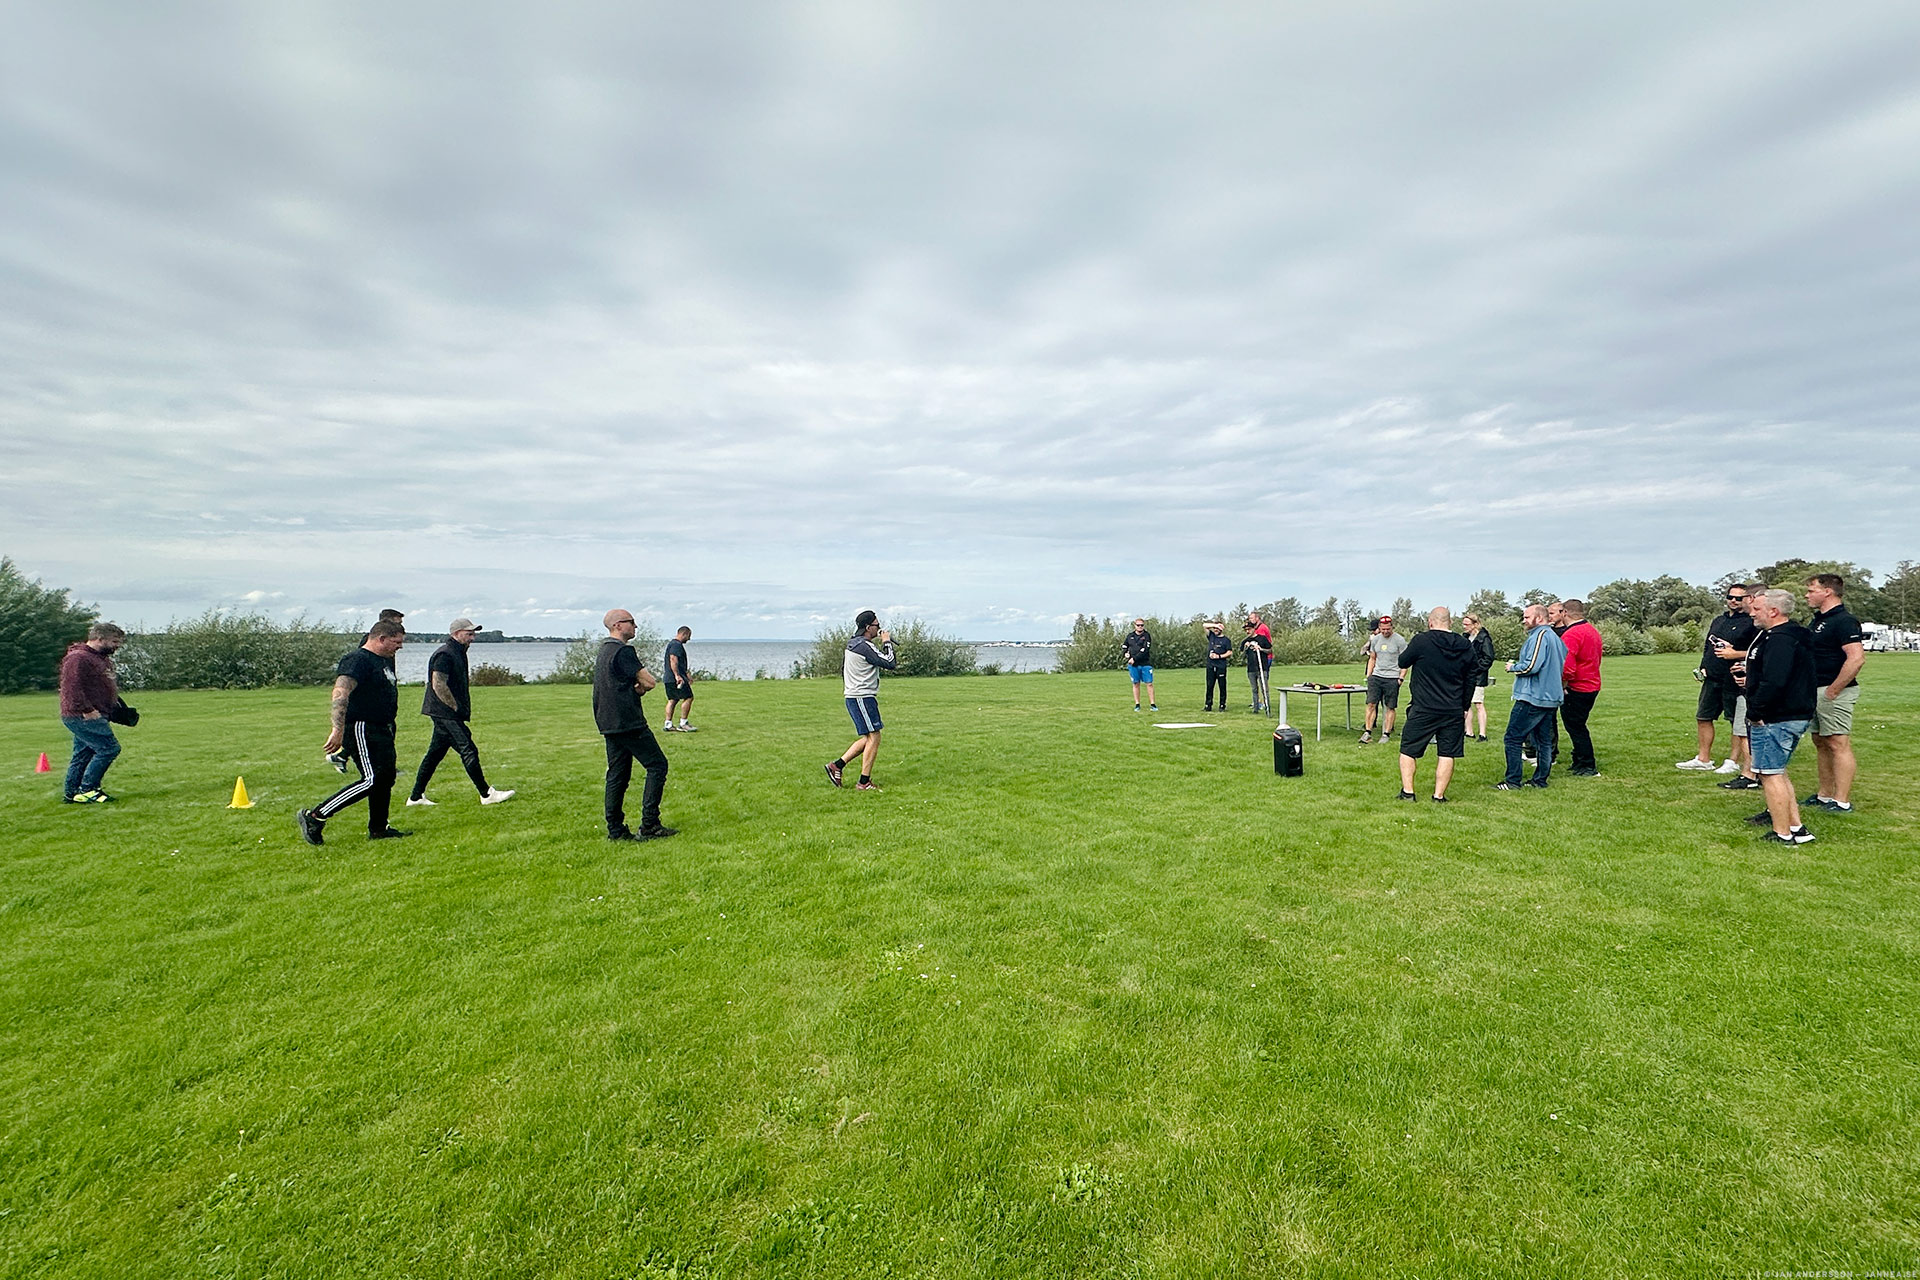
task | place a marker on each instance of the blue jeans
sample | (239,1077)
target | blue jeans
(94,748)
(1528,722)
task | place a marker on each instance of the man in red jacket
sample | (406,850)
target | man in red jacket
(88,695)
(1582,682)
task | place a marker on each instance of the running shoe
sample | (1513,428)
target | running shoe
(496,796)
(418,800)
(1742,783)
(1699,766)
(313,830)
(1729,765)
(836,771)
(866,786)
(1801,835)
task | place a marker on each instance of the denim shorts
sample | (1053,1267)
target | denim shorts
(1141,672)
(1773,744)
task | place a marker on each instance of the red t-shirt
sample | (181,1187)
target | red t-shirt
(1582,672)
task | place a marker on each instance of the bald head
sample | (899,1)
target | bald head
(1439,618)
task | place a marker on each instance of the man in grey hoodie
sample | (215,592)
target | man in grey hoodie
(861,677)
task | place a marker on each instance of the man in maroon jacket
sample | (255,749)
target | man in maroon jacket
(1581,679)
(88,695)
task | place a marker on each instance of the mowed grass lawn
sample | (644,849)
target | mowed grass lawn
(1074,996)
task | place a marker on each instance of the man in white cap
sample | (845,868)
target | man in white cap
(449,706)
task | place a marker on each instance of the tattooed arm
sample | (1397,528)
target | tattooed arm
(342,688)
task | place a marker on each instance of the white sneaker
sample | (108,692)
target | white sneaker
(686,728)
(1699,766)
(1730,765)
(496,796)
(667,727)
(422,800)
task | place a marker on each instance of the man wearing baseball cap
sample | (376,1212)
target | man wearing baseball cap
(448,706)
(619,678)
(1383,677)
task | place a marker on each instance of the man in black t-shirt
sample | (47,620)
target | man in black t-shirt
(1441,670)
(366,701)
(448,706)
(1730,633)
(1139,649)
(1839,649)
(619,678)
(679,682)
(1219,654)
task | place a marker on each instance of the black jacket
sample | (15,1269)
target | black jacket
(1780,681)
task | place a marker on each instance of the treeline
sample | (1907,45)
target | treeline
(248,650)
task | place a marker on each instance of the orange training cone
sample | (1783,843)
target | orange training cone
(240,799)
(43,766)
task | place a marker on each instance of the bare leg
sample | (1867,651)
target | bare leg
(1136,695)
(1706,741)
(1781,805)
(1371,708)
(866,757)
(859,745)
(1442,776)
(1407,764)
(1388,731)
(1150,697)
(1837,765)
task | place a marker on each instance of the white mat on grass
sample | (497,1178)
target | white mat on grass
(1194,725)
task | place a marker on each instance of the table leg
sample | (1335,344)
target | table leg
(1283,706)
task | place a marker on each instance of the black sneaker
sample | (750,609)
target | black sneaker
(655,832)
(1742,783)
(1762,819)
(1508,786)
(1834,806)
(836,771)
(1407,795)
(388,833)
(313,830)
(1535,782)
(1774,837)
(1801,835)
(1583,772)
(1812,797)
(619,833)
(1441,800)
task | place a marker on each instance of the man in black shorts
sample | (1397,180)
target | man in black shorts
(1730,633)
(679,681)
(1441,670)
(366,701)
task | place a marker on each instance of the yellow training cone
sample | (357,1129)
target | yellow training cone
(240,800)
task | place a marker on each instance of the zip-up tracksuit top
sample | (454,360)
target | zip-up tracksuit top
(1536,672)
(863,665)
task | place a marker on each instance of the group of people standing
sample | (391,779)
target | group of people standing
(1137,645)
(1773,680)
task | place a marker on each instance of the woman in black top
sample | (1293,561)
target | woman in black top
(1482,663)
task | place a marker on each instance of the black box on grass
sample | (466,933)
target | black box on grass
(1289,752)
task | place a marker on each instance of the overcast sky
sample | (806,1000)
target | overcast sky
(748,316)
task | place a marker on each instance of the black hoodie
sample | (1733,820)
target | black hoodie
(1440,667)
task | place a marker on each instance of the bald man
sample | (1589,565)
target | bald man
(619,680)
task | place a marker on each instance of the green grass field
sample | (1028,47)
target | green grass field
(1073,997)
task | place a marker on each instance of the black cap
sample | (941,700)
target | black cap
(864,619)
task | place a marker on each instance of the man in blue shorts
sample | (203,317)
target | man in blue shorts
(1782,697)
(860,672)
(1139,647)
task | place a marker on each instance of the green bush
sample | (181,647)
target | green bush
(576,664)
(37,626)
(1618,640)
(918,648)
(232,651)
(1672,639)
(492,674)
(1314,646)
(1507,632)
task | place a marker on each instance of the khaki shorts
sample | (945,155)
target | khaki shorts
(1833,717)
(1740,716)
(1480,695)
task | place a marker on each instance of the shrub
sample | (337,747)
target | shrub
(1507,632)
(493,674)
(1313,646)
(576,663)
(37,626)
(1093,645)
(1618,640)
(232,651)
(1178,643)
(1671,640)
(920,651)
